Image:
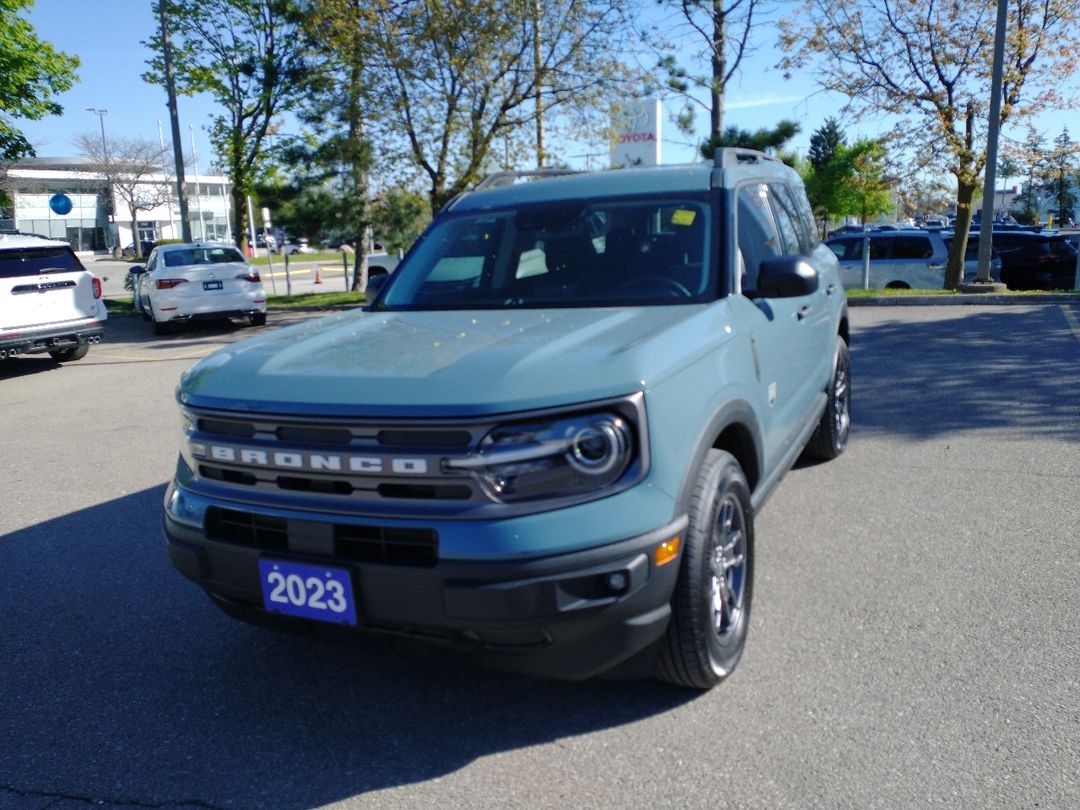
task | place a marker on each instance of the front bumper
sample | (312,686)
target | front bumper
(555,616)
(52,338)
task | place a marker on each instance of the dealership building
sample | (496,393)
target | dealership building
(64,198)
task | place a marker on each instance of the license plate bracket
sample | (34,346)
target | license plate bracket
(319,592)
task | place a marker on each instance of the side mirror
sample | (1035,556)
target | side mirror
(375,285)
(785,277)
(137,269)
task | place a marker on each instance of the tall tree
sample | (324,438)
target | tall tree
(721,30)
(133,172)
(249,56)
(459,76)
(824,142)
(929,66)
(1061,176)
(340,107)
(32,74)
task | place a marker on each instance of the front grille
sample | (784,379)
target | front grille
(355,543)
(362,462)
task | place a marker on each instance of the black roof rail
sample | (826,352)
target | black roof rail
(500,179)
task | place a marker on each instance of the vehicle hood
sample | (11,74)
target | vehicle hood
(452,363)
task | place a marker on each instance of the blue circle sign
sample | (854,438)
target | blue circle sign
(60,204)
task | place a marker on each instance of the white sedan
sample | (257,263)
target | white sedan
(198,280)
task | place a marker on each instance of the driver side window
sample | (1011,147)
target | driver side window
(758,238)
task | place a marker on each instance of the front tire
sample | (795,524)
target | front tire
(710,610)
(831,436)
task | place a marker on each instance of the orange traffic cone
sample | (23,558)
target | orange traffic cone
(318,275)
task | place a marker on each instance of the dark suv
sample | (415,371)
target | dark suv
(1036,261)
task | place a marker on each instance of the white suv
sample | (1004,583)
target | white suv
(49,302)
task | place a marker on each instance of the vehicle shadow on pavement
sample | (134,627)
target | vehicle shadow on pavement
(123,684)
(969,369)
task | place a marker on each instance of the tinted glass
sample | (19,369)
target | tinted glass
(214,255)
(912,247)
(33,261)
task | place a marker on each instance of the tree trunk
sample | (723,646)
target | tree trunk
(954,270)
(719,67)
(239,204)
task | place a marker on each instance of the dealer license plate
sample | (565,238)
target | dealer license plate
(308,591)
(211,285)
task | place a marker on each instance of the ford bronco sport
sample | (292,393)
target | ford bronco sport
(49,302)
(545,438)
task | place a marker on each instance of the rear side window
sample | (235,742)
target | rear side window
(912,247)
(35,261)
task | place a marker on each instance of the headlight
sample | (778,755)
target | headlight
(187,427)
(563,457)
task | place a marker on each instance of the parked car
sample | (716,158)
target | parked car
(846,229)
(197,281)
(1033,260)
(547,438)
(294,247)
(49,302)
(971,258)
(907,259)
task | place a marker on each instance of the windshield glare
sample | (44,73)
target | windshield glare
(600,253)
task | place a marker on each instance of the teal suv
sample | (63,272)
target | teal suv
(546,437)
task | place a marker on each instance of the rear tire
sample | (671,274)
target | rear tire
(831,436)
(710,609)
(257,319)
(70,355)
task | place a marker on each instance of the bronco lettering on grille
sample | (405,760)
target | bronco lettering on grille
(309,461)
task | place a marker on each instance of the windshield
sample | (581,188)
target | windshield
(561,254)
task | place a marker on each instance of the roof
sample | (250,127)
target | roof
(15,241)
(612,183)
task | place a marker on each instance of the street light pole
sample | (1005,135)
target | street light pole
(101,117)
(105,163)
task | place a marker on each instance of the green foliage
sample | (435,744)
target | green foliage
(1060,174)
(400,215)
(32,73)
(824,142)
(851,183)
(764,139)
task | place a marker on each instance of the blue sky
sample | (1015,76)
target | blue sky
(107,36)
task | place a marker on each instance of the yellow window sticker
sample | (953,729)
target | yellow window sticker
(683,216)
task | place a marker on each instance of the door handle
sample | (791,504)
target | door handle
(830,289)
(932,266)
(803,312)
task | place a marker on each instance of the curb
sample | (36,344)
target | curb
(963,299)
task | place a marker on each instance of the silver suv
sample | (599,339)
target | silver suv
(905,259)
(49,302)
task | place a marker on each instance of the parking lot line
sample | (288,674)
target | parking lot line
(1073,321)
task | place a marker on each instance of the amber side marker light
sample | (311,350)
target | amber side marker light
(667,551)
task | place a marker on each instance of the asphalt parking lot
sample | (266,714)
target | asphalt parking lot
(915,639)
